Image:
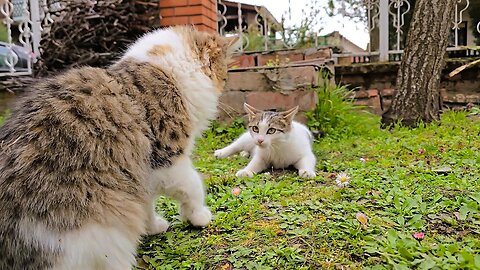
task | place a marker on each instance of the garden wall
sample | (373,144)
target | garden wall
(374,84)
(275,80)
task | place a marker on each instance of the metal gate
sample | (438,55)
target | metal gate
(21,26)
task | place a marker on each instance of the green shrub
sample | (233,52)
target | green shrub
(335,114)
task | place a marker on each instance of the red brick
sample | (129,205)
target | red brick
(388,92)
(443,94)
(231,102)
(372,93)
(173,3)
(204,28)
(247,81)
(190,10)
(373,104)
(199,2)
(322,53)
(198,19)
(174,21)
(360,94)
(167,12)
(345,60)
(244,60)
(269,100)
(283,58)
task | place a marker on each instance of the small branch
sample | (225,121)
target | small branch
(461,68)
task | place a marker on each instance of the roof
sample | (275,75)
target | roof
(248,8)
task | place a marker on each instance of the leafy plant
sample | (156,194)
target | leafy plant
(224,131)
(335,113)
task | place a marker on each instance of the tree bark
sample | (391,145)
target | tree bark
(417,96)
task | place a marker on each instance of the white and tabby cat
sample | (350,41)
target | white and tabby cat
(273,139)
(84,155)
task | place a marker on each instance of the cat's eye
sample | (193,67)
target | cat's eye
(255,129)
(271,131)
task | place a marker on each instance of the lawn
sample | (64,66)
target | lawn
(425,180)
(406,182)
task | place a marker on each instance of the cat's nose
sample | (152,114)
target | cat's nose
(260,141)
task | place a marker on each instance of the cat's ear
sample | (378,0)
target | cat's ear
(290,114)
(251,111)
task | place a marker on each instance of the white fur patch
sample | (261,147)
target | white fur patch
(92,247)
(197,88)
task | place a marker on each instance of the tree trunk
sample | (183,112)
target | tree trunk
(417,96)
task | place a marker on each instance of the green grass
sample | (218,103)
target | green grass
(281,221)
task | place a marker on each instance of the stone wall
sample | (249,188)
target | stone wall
(270,89)
(373,84)
(275,80)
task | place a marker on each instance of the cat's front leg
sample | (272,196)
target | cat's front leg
(243,143)
(155,223)
(257,164)
(306,166)
(184,184)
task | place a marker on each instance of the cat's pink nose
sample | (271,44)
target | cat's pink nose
(260,141)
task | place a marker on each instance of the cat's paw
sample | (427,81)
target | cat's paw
(158,225)
(306,173)
(244,173)
(198,217)
(220,153)
(244,154)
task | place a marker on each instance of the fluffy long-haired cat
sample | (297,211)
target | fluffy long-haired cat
(273,139)
(84,154)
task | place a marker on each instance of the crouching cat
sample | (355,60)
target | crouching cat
(84,155)
(273,139)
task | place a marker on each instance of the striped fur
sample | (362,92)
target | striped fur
(84,154)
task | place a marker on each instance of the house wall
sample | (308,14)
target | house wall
(201,13)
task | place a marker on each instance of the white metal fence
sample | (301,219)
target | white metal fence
(22,23)
(257,28)
(387,23)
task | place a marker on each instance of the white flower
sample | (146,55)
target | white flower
(363,159)
(342,180)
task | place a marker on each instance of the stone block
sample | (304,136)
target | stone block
(244,60)
(279,58)
(273,100)
(230,105)
(247,81)
(318,53)
(389,92)
(386,103)
(372,93)
(360,94)
(373,104)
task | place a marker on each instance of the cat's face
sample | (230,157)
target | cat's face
(266,127)
(213,52)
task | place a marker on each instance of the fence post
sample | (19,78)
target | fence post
(383,27)
(36,26)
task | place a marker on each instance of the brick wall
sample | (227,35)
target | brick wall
(201,13)
(269,89)
(374,84)
(275,80)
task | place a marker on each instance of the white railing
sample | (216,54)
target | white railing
(22,23)
(386,21)
(263,28)
(382,12)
